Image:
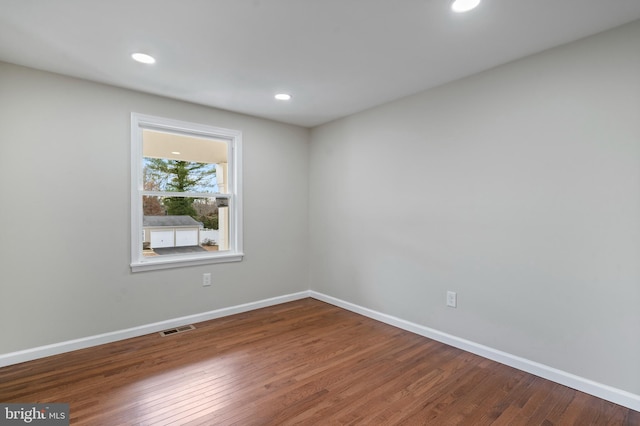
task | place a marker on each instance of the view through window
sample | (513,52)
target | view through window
(187,196)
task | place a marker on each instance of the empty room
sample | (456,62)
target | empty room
(270,212)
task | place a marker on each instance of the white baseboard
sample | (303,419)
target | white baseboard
(100,339)
(617,396)
(600,390)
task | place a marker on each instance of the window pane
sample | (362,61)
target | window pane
(178,163)
(204,226)
(186,191)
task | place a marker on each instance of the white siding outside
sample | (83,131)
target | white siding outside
(162,239)
(186,237)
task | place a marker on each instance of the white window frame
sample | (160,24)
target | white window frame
(139,122)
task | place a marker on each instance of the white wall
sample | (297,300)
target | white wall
(64,210)
(519,188)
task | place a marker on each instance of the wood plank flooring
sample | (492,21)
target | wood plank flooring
(304,362)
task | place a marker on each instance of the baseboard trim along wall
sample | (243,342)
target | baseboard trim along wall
(600,390)
(100,339)
(609,393)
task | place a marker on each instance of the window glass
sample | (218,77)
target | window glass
(174,162)
(187,204)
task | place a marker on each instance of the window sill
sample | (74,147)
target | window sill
(153,264)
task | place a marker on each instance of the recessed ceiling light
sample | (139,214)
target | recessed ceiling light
(283,96)
(464,5)
(143,58)
(175,152)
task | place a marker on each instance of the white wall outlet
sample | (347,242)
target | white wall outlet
(452,299)
(206,279)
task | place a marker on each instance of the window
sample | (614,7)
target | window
(186,200)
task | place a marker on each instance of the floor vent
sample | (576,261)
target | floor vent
(177,330)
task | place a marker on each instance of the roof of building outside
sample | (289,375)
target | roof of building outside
(171,221)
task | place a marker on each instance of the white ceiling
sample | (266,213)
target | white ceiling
(335,57)
(189,148)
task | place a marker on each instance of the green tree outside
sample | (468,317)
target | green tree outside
(180,176)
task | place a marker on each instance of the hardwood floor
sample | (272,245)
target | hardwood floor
(304,362)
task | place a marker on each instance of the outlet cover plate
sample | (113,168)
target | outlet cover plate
(206,279)
(452,299)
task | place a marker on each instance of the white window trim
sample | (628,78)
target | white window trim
(234,187)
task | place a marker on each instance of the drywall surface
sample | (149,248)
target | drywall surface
(65,213)
(518,188)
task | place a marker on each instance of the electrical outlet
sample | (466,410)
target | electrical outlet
(452,299)
(206,279)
